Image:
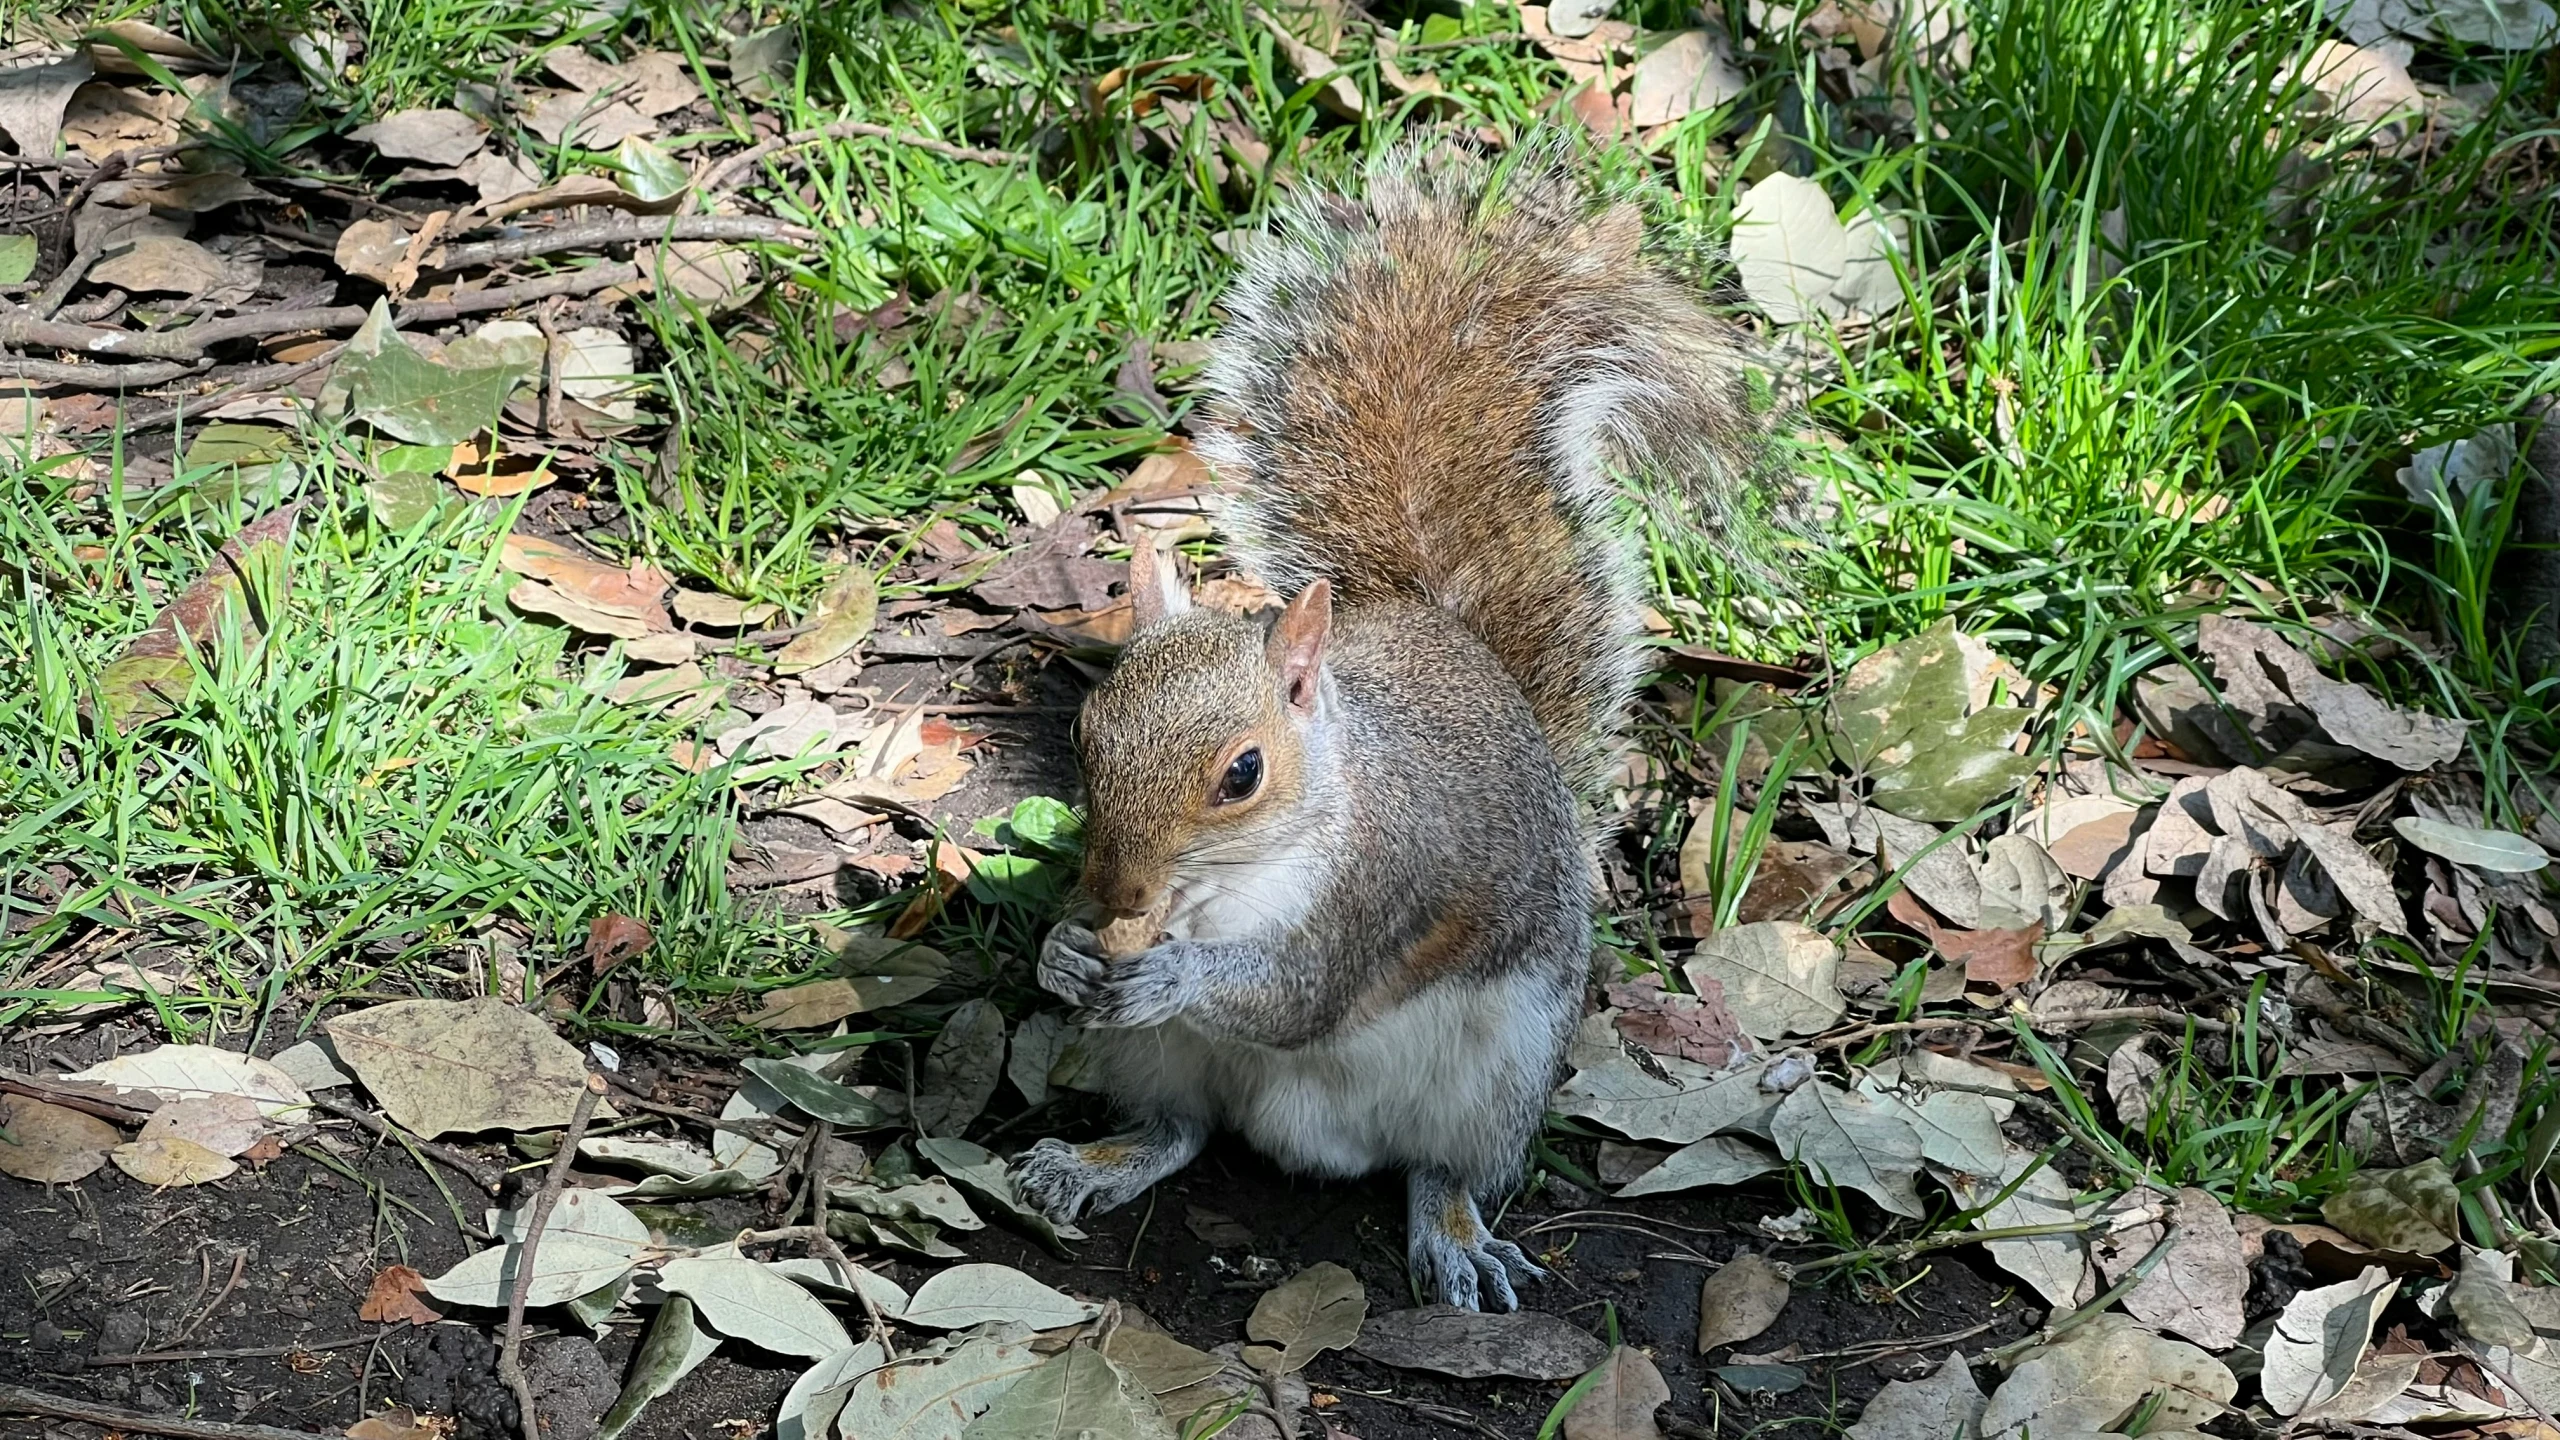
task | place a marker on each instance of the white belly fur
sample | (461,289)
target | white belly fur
(1446,1078)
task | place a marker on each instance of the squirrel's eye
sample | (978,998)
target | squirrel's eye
(1243,777)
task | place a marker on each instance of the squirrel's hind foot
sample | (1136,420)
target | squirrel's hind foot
(1067,1181)
(1455,1257)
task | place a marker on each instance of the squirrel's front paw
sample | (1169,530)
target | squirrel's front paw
(1072,964)
(1145,989)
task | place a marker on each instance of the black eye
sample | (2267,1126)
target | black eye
(1243,777)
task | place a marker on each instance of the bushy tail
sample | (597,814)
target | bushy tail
(1434,390)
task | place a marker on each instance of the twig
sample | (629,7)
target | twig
(2161,1013)
(98,377)
(24,330)
(48,301)
(1504,37)
(18,1400)
(253,1352)
(1894,1027)
(763,1132)
(486,1179)
(256,382)
(511,1353)
(728,172)
(71,1095)
(1943,1240)
(239,1267)
(619,232)
(815,1236)
(2054,1331)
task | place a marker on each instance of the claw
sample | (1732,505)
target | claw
(1455,1259)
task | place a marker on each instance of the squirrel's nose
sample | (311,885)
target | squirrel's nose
(1125,899)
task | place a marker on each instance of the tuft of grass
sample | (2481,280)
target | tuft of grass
(400,771)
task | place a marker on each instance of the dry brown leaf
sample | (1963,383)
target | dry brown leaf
(401,1423)
(1691,71)
(633,593)
(437,137)
(614,939)
(1998,958)
(1740,1300)
(2365,86)
(227,1125)
(372,249)
(33,95)
(398,1293)
(52,1144)
(653,81)
(576,119)
(161,265)
(1622,1405)
(104,118)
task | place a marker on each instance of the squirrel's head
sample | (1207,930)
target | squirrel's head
(1196,747)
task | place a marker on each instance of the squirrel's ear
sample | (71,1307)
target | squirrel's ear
(1155,584)
(1297,646)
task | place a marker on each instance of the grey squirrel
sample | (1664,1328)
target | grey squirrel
(1358,846)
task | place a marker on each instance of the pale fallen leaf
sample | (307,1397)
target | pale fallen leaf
(2197,1288)
(1739,1300)
(171,1073)
(2415,1210)
(2094,1376)
(33,95)
(160,265)
(655,82)
(933,1394)
(1156,1361)
(1471,1345)
(1799,262)
(2057,1266)
(564,1268)
(1848,1140)
(441,1067)
(842,620)
(1076,1394)
(970,1295)
(1674,1100)
(227,1125)
(1691,71)
(1716,1160)
(1779,978)
(1947,1405)
(2318,1340)
(1318,1309)
(167,1160)
(2499,850)
(748,1301)
(1622,1404)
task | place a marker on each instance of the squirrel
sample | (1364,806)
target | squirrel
(1366,834)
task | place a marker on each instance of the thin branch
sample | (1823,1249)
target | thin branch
(2082,1315)
(23,330)
(256,382)
(252,1352)
(486,1179)
(730,171)
(18,1400)
(619,232)
(511,1353)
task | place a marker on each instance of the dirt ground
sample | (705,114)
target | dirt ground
(238,1300)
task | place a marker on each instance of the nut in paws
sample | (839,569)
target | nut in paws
(1148,988)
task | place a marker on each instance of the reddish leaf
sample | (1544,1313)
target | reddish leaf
(265,1152)
(397,1294)
(613,939)
(1997,958)
(1694,1027)
(150,677)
